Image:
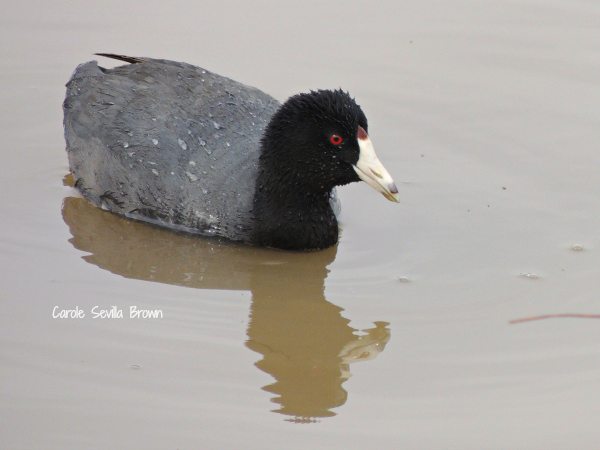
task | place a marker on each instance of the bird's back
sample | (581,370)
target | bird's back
(168,143)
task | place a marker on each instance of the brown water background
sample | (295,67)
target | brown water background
(487,113)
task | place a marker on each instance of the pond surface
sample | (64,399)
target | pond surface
(487,114)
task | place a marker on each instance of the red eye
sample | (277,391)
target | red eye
(336,139)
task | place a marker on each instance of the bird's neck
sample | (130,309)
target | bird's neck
(291,213)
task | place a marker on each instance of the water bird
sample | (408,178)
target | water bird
(181,147)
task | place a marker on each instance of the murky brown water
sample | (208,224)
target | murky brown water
(489,114)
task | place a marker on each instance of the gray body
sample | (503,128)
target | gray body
(167,143)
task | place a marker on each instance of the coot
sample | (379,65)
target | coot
(181,147)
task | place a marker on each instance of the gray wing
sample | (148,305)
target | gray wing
(168,143)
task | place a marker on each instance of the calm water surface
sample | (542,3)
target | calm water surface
(488,115)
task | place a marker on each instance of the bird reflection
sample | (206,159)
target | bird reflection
(305,343)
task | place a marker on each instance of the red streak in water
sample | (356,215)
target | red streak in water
(556,316)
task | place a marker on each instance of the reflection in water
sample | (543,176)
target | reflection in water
(305,343)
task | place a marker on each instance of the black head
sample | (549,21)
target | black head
(313,137)
(314,142)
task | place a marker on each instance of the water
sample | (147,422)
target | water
(486,114)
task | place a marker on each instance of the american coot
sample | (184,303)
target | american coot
(181,147)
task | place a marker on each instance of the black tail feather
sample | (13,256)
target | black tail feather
(129,59)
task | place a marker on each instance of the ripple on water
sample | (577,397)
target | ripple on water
(529,275)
